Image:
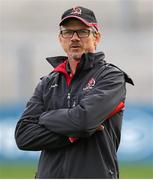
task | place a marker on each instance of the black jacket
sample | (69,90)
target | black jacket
(63,107)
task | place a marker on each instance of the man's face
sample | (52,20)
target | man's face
(75,46)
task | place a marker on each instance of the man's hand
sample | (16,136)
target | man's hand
(100,128)
(73,139)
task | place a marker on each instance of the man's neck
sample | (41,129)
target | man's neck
(73,65)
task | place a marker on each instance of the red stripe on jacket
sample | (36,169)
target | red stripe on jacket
(118,108)
(62,68)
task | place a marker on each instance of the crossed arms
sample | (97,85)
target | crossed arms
(38,129)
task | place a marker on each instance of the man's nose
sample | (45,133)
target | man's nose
(75,36)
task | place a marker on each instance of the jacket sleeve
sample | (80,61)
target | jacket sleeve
(29,134)
(92,110)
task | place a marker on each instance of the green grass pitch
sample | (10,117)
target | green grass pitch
(27,171)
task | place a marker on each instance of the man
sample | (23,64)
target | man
(74,116)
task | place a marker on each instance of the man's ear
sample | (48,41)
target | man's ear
(98,37)
(59,38)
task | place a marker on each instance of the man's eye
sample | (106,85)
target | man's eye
(67,32)
(83,32)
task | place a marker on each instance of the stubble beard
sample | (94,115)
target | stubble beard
(75,56)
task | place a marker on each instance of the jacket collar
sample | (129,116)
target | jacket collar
(87,60)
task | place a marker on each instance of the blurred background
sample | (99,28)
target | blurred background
(28,34)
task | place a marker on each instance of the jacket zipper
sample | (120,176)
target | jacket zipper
(69,90)
(69,106)
(69,94)
(69,100)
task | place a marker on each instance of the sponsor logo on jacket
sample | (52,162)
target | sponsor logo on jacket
(90,84)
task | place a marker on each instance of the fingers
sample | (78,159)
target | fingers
(100,128)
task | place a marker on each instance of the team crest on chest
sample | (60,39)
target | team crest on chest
(90,84)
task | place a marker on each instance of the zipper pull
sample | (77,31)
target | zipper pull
(74,104)
(68,99)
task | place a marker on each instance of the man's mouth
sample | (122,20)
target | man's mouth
(75,46)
